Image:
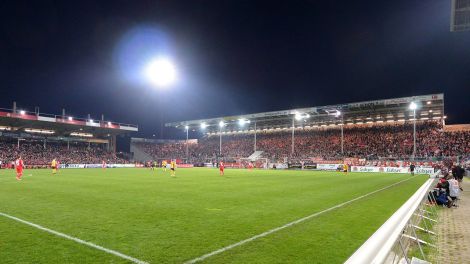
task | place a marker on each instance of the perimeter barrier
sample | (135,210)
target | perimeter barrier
(399,235)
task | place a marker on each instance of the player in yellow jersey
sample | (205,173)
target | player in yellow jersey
(54,166)
(173,168)
(345,168)
(164,165)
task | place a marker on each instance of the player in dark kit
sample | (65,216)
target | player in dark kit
(412,169)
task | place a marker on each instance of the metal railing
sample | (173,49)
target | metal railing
(393,241)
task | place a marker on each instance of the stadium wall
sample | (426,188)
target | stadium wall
(139,155)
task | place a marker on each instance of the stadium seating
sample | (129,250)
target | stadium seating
(35,155)
(372,142)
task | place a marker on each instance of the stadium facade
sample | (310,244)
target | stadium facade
(22,125)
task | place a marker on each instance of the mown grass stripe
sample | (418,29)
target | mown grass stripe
(242,242)
(83,242)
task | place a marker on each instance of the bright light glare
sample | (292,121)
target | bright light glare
(299,116)
(186,127)
(428,102)
(22,112)
(70,118)
(203,125)
(242,122)
(338,113)
(161,72)
(221,124)
(413,106)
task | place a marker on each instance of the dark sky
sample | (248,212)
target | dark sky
(233,57)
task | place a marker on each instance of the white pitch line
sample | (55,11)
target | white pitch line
(218,251)
(110,251)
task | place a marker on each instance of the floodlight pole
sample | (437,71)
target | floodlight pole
(414,134)
(293,129)
(342,136)
(220,141)
(187,137)
(255,138)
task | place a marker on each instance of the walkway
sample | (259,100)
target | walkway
(454,230)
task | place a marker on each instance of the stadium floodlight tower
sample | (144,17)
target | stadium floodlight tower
(187,139)
(221,126)
(338,114)
(297,116)
(161,72)
(242,122)
(413,106)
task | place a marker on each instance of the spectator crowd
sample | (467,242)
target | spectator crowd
(35,154)
(371,142)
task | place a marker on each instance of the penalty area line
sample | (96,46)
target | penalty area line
(298,221)
(78,240)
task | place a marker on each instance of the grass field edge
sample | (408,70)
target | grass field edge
(78,240)
(298,221)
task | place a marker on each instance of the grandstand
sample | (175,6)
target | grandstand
(373,130)
(40,137)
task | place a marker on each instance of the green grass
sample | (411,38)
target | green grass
(153,217)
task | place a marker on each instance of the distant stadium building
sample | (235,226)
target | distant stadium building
(20,125)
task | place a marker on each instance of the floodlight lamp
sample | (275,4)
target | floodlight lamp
(70,118)
(203,125)
(22,112)
(221,124)
(109,123)
(338,113)
(298,116)
(161,72)
(413,106)
(91,120)
(428,102)
(186,127)
(242,121)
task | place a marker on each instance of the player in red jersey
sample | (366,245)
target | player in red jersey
(221,168)
(103,165)
(250,166)
(19,168)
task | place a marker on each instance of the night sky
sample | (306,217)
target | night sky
(233,57)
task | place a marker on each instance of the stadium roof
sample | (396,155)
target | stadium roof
(58,125)
(389,110)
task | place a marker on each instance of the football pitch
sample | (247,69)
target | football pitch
(260,216)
